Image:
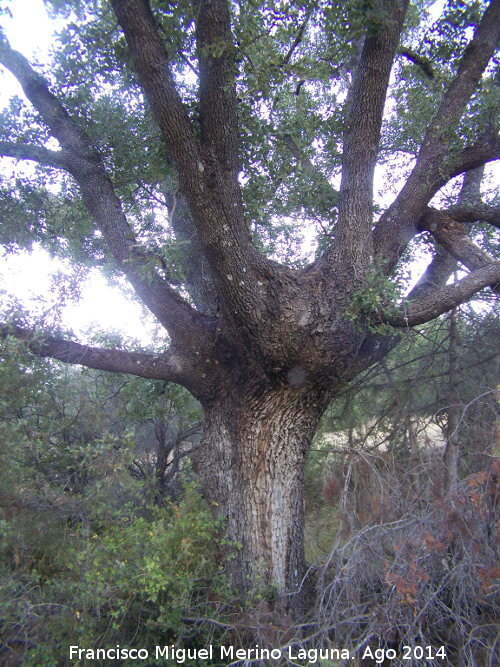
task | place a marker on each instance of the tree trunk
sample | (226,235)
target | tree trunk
(251,464)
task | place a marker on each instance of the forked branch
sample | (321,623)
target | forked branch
(151,62)
(452,235)
(433,303)
(435,162)
(207,172)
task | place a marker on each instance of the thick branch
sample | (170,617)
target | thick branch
(470,194)
(436,163)
(445,298)
(43,156)
(163,367)
(300,156)
(453,237)
(399,224)
(435,276)
(199,280)
(454,244)
(485,149)
(474,62)
(151,61)
(218,103)
(208,175)
(362,135)
(482,213)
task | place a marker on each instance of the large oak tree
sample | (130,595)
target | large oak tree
(234,119)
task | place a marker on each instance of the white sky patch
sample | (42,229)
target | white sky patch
(28,276)
(435,10)
(29,31)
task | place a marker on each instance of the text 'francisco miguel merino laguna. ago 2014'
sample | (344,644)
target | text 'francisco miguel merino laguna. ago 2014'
(222,653)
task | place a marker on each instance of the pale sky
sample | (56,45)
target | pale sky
(28,277)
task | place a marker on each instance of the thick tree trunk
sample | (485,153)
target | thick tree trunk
(251,463)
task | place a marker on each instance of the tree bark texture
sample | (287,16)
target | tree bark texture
(251,464)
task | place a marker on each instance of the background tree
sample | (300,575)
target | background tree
(283,100)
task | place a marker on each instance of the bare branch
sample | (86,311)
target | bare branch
(418,60)
(483,213)
(453,237)
(443,299)
(435,276)
(435,162)
(43,156)
(164,367)
(470,194)
(296,41)
(362,135)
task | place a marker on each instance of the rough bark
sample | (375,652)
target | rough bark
(251,464)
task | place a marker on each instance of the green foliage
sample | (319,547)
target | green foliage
(132,578)
(293,65)
(378,300)
(152,567)
(87,557)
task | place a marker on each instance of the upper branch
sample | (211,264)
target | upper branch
(297,40)
(362,134)
(418,60)
(453,237)
(218,103)
(435,162)
(151,62)
(485,149)
(207,174)
(482,213)
(80,159)
(43,156)
(435,276)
